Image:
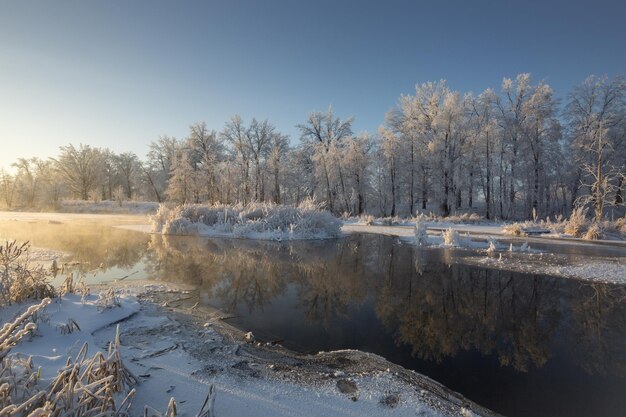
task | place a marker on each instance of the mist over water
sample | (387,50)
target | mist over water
(519,344)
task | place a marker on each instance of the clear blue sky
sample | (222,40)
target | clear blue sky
(118,74)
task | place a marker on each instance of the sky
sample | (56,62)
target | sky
(119,74)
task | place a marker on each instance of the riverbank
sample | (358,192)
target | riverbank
(177,347)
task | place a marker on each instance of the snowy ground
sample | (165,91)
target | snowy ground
(59,218)
(179,350)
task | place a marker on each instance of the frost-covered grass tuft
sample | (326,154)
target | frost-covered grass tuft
(19,280)
(492,246)
(515,229)
(255,221)
(594,232)
(451,237)
(620,225)
(108,300)
(577,223)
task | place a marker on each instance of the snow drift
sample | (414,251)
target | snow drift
(253,221)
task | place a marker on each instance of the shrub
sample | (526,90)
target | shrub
(19,280)
(515,229)
(450,237)
(492,246)
(594,232)
(256,220)
(577,223)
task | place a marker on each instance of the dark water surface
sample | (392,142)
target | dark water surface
(520,344)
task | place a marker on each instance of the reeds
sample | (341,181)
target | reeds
(19,280)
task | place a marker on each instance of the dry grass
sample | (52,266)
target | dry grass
(577,224)
(620,225)
(594,232)
(86,386)
(515,229)
(450,237)
(19,280)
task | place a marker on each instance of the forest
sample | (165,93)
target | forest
(516,152)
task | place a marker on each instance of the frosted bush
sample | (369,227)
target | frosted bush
(594,232)
(255,220)
(577,223)
(108,300)
(19,280)
(450,237)
(492,246)
(515,229)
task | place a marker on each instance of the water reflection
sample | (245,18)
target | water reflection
(497,337)
(421,298)
(89,244)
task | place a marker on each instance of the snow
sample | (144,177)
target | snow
(614,272)
(60,218)
(107,206)
(516,255)
(49,347)
(177,357)
(254,221)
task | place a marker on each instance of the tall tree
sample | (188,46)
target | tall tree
(597,113)
(321,134)
(80,168)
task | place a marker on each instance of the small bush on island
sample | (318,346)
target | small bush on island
(254,220)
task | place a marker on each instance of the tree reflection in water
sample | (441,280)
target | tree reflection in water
(496,336)
(422,297)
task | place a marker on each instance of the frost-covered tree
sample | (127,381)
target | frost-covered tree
(127,167)
(484,140)
(80,167)
(278,149)
(357,158)
(157,166)
(206,152)
(183,184)
(322,136)
(27,180)
(235,134)
(597,116)
(541,132)
(8,187)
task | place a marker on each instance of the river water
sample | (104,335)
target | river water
(520,344)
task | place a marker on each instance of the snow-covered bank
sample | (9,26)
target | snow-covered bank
(65,325)
(499,251)
(179,350)
(253,221)
(607,270)
(479,231)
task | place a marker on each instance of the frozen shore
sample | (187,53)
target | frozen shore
(515,254)
(178,348)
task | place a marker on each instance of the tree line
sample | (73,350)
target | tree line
(518,152)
